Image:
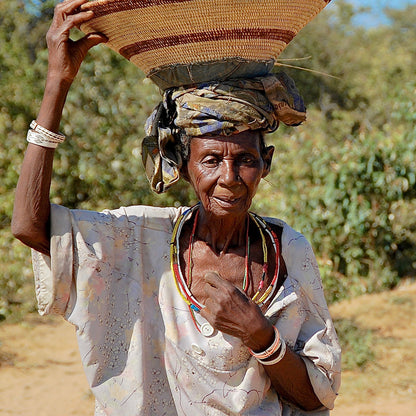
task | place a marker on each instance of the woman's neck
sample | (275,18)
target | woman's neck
(221,233)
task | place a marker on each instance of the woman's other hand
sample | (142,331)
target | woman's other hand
(66,55)
(231,311)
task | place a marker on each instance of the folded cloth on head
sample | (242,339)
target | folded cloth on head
(215,108)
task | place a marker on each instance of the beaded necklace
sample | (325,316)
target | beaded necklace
(183,284)
(271,289)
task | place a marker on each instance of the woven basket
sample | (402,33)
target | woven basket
(159,36)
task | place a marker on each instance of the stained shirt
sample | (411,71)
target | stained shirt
(142,350)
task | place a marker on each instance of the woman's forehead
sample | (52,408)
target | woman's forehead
(247,140)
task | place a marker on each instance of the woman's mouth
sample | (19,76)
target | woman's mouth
(226,201)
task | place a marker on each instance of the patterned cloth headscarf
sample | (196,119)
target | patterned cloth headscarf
(215,108)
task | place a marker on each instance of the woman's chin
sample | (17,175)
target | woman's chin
(224,207)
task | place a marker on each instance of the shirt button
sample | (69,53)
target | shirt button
(196,348)
(207,329)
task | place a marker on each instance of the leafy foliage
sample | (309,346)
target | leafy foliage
(346,179)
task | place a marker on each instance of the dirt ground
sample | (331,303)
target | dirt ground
(41,374)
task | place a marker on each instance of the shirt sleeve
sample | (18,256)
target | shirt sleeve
(82,244)
(301,314)
(53,274)
(88,248)
(316,342)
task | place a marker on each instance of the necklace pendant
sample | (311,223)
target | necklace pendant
(207,329)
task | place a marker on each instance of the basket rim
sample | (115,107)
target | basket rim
(155,34)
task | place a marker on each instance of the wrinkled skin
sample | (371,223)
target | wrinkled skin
(225,172)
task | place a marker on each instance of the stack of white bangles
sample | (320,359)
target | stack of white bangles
(43,137)
(262,357)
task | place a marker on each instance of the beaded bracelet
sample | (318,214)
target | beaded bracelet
(269,351)
(279,357)
(40,140)
(50,135)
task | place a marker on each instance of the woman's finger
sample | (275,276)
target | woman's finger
(213,279)
(67,15)
(75,20)
(216,281)
(70,11)
(219,288)
(88,41)
(69,6)
(215,286)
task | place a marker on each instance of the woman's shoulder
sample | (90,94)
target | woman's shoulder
(289,236)
(294,244)
(147,211)
(130,216)
(149,217)
(301,263)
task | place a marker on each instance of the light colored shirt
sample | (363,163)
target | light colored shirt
(109,275)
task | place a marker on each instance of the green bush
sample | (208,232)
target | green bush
(356,344)
(355,200)
(16,271)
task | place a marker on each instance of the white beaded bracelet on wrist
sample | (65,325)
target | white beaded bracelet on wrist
(43,137)
(37,138)
(278,343)
(54,137)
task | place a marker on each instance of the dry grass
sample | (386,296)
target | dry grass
(387,384)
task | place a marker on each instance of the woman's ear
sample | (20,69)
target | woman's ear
(267,158)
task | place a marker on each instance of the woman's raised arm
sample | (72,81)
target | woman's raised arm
(30,222)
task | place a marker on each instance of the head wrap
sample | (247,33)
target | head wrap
(215,108)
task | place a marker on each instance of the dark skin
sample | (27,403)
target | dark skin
(225,173)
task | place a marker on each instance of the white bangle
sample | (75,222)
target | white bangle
(39,139)
(50,135)
(279,357)
(268,352)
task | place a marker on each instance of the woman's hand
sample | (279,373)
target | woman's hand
(229,310)
(66,55)
(65,58)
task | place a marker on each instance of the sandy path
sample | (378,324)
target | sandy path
(42,375)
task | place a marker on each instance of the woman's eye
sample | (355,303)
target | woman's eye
(247,160)
(212,161)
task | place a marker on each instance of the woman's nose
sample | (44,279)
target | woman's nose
(229,174)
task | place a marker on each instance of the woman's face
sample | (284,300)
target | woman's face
(225,171)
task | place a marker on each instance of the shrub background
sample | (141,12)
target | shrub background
(346,179)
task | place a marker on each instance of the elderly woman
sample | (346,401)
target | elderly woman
(211,310)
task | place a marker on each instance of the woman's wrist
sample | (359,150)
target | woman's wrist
(274,352)
(54,97)
(41,136)
(262,338)
(55,77)
(270,348)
